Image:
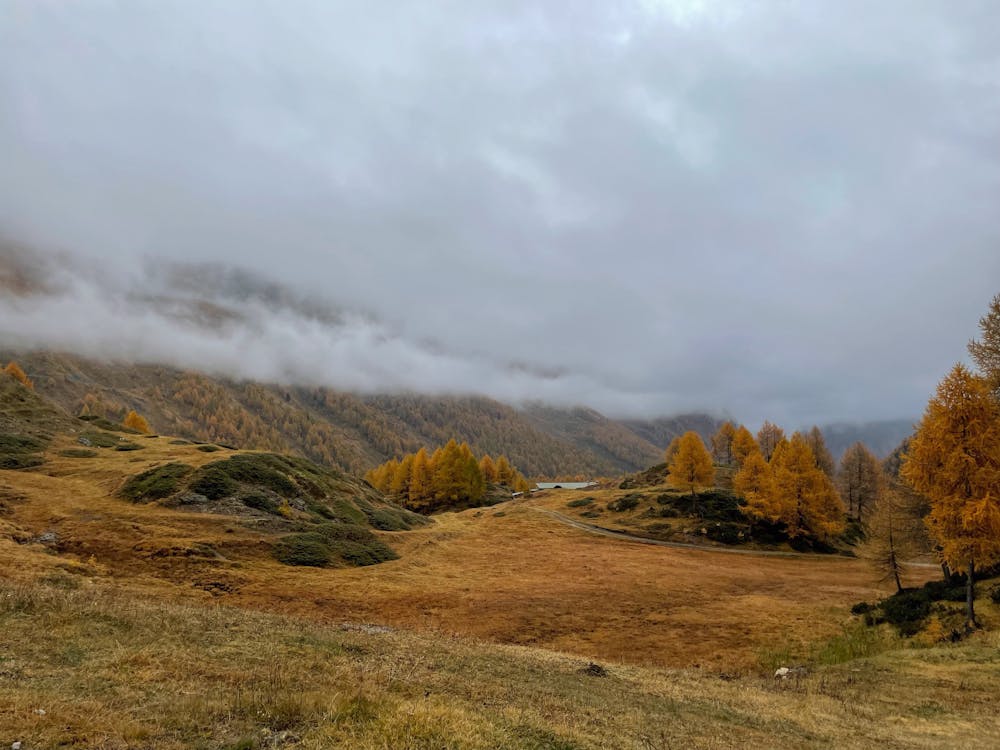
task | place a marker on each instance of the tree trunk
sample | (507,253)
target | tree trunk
(895,573)
(946,571)
(970,598)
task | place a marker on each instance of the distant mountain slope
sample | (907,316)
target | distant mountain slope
(352,431)
(662,430)
(880,437)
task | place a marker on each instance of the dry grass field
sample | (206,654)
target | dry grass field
(144,626)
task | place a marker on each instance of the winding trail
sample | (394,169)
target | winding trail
(624,536)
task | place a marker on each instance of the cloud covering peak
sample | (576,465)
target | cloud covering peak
(779,210)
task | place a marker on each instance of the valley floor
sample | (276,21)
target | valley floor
(141,626)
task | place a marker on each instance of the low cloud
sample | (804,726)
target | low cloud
(778,210)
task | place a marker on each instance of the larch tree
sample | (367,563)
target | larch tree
(859,480)
(754,482)
(743,445)
(824,459)
(671,451)
(768,438)
(954,460)
(399,485)
(805,498)
(986,351)
(421,486)
(13,369)
(136,422)
(891,531)
(691,466)
(505,472)
(722,444)
(489,469)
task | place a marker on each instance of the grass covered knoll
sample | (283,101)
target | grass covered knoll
(114,671)
(325,516)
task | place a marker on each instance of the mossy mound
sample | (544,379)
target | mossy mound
(331,515)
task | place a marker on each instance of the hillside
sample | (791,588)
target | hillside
(353,432)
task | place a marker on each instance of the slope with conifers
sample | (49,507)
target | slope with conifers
(351,431)
(299,512)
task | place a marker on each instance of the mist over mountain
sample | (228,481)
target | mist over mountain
(647,208)
(351,430)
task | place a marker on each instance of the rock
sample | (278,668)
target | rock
(40,712)
(594,670)
(49,537)
(85,441)
(15,746)
(781,673)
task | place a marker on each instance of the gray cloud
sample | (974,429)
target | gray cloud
(779,210)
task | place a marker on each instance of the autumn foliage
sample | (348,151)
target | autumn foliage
(452,477)
(690,465)
(136,422)
(13,369)
(954,459)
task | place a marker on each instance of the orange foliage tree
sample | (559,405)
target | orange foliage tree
(722,444)
(743,445)
(768,438)
(804,497)
(14,370)
(136,422)
(691,465)
(755,483)
(954,460)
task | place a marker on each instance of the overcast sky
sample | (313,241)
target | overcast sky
(778,209)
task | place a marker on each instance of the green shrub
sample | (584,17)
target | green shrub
(952,590)
(214,484)
(155,484)
(261,502)
(259,469)
(100,439)
(625,503)
(862,608)
(333,542)
(180,442)
(581,502)
(19,444)
(20,461)
(995,594)
(128,447)
(727,533)
(77,453)
(209,448)
(907,610)
(309,550)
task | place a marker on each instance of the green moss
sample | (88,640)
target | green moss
(77,453)
(333,543)
(209,448)
(155,484)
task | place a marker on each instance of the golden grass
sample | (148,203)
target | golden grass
(112,670)
(507,574)
(157,628)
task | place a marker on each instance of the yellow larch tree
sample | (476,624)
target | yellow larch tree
(13,369)
(489,469)
(691,466)
(768,438)
(824,459)
(421,486)
(136,422)
(755,484)
(954,460)
(859,480)
(986,351)
(722,444)
(805,498)
(743,445)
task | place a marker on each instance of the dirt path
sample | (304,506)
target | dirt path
(705,547)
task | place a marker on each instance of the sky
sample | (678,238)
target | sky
(782,210)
